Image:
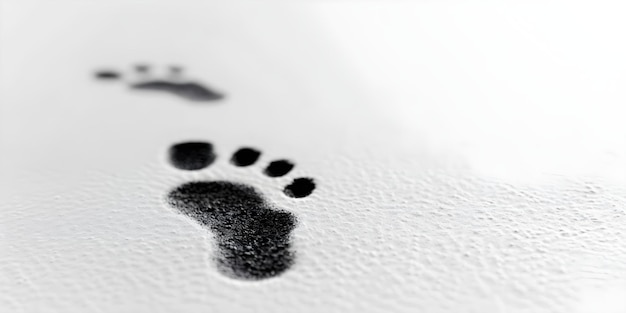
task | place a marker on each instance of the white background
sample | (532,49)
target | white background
(470,156)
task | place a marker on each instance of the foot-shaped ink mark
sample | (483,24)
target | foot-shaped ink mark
(173,83)
(253,237)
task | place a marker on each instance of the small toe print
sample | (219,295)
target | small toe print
(278,168)
(191,155)
(107,75)
(142,68)
(245,157)
(300,188)
(176,70)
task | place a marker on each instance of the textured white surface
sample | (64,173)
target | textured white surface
(470,157)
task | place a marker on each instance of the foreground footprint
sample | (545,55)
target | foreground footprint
(173,83)
(253,237)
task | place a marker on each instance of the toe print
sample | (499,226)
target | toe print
(173,83)
(300,188)
(245,157)
(253,237)
(192,155)
(278,168)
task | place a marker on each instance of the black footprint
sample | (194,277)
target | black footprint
(253,237)
(172,84)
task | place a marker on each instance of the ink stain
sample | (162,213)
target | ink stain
(253,237)
(173,83)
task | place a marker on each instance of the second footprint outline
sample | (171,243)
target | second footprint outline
(173,83)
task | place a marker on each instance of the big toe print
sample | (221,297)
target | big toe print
(253,237)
